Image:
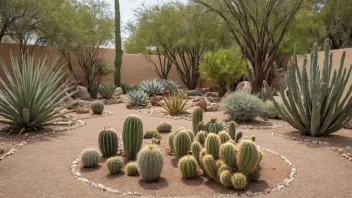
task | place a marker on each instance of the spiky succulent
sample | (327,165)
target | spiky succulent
(175,104)
(152,86)
(107,90)
(137,98)
(171,86)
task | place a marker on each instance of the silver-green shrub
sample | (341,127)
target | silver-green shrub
(137,98)
(107,90)
(152,86)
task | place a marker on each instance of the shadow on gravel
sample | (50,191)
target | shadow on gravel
(162,183)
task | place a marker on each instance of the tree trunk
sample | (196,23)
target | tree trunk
(222,90)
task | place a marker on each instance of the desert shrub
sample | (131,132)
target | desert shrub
(107,90)
(270,110)
(137,98)
(152,86)
(175,104)
(242,106)
(171,86)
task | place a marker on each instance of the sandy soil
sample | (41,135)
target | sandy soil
(42,168)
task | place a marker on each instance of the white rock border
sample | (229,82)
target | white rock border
(316,142)
(285,183)
(91,115)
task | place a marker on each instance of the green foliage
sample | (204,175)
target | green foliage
(239,181)
(224,137)
(90,157)
(97,107)
(124,86)
(247,157)
(164,127)
(115,165)
(213,127)
(242,106)
(314,103)
(202,153)
(107,90)
(188,167)
(227,153)
(108,142)
(232,130)
(152,86)
(270,110)
(201,136)
(175,104)
(212,144)
(33,97)
(209,166)
(132,169)
(197,117)
(196,147)
(182,143)
(150,163)
(137,98)
(132,136)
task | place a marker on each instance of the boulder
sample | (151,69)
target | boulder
(118,91)
(155,100)
(82,93)
(208,109)
(201,103)
(214,106)
(244,86)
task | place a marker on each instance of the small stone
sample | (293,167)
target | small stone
(26,134)
(112,190)
(334,149)
(77,174)
(348,150)
(320,143)
(267,190)
(279,187)
(129,193)
(326,143)
(315,142)
(94,185)
(137,194)
(101,186)
(346,156)
(340,151)
(350,158)
(84,180)
(249,193)
(294,138)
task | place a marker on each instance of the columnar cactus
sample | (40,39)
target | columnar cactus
(224,137)
(200,137)
(150,163)
(196,147)
(108,142)
(171,139)
(209,166)
(225,178)
(213,127)
(182,144)
(212,145)
(114,164)
(247,157)
(238,136)
(132,169)
(232,130)
(200,126)
(188,167)
(239,181)
(197,117)
(227,153)
(132,136)
(164,127)
(97,107)
(90,157)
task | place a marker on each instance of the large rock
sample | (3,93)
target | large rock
(118,91)
(201,103)
(82,92)
(244,86)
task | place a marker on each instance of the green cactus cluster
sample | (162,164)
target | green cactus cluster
(212,145)
(90,157)
(132,169)
(108,142)
(197,117)
(164,127)
(132,136)
(150,163)
(97,107)
(115,165)
(188,167)
(213,127)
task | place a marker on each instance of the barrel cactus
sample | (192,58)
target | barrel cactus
(227,153)
(90,157)
(209,166)
(202,153)
(213,127)
(196,147)
(223,168)
(247,157)
(151,133)
(132,169)
(224,137)
(97,107)
(164,127)
(197,117)
(225,178)
(239,181)
(191,134)
(114,164)
(232,130)
(171,139)
(201,136)
(108,142)
(150,163)
(212,145)
(132,136)
(188,167)
(182,144)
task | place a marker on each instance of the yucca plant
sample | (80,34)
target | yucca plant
(175,104)
(137,98)
(314,103)
(33,97)
(152,86)
(107,90)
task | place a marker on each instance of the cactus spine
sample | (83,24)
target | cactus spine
(150,163)
(196,148)
(232,130)
(213,127)
(114,164)
(225,178)
(132,136)
(212,145)
(108,142)
(188,167)
(227,152)
(224,137)
(90,157)
(247,157)
(197,117)
(132,169)
(239,181)
(97,107)
(182,144)
(209,166)
(171,139)
(164,127)
(201,136)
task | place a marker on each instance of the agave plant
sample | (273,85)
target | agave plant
(137,97)
(124,87)
(107,90)
(175,104)
(33,97)
(171,86)
(152,86)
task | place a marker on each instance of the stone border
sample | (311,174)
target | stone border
(316,142)
(80,123)
(285,183)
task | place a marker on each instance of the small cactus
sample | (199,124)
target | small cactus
(108,142)
(202,153)
(225,178)
(132,136)
(238,136)
(224,137)
(150,163)
(182,144)
(255,175)
(232,130)
(114,164)
(209,166)
(188,167)
(171,139)
(212,144)
(197,117)
(201,136)
(253,138)
(150,134)
(227,153)
(90,157)
(219,163)
(247,157)
(196,148)
(213,127)
(223,168)
(260,156)
(97,107)
(200,126)
(239,181)
(164,127)
(132,169)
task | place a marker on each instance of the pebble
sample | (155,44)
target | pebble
(315,142)
(279,187)
(137,194)
(326,143)
(249,193)
(101,186)
(112,190)
(84,180)
(26,135)
(77,174)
